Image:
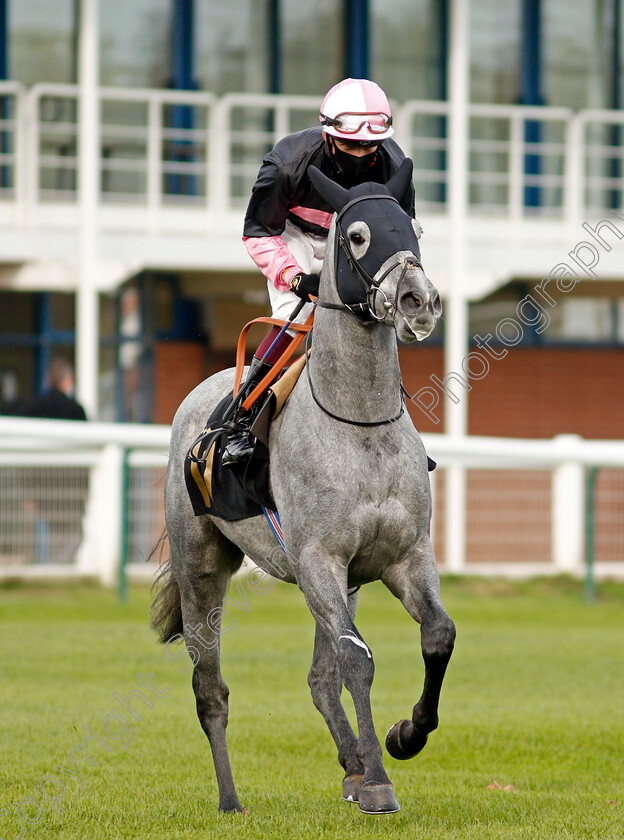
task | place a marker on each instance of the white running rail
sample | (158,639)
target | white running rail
(81,498)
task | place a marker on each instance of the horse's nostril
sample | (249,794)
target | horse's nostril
(411,302)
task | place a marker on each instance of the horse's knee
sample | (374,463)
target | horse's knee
(355,661)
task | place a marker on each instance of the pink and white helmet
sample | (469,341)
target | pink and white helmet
(356,109)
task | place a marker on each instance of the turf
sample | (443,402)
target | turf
(534,699)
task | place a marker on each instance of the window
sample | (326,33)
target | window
(495,35)
(231,44)
(406,48)
(135,43)
(573,46)
(41,41)
(312,44)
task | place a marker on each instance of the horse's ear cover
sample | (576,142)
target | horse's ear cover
(335,195)
(401,181)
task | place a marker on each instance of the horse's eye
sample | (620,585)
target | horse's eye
(357,238)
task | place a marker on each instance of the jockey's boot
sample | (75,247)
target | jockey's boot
(240,441)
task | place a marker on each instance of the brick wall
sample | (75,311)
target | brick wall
(532,392)
(178,367)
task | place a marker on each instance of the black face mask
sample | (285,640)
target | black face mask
(355,169)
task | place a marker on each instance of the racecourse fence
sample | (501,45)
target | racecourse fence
(86,499)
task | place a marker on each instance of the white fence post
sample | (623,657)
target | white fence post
(568,512)
(100,550)
(455,531)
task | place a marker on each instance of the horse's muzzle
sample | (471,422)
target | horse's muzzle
(420,312)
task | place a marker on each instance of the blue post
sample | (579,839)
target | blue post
(531,91)
(183,52)
(182,78)
(443,42)
(4,44)
(5,171)
(275,46)
(616,100)
(356,39)
(43,329)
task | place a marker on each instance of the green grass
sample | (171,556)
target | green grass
(534,698)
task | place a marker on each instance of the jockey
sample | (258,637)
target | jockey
(287,221)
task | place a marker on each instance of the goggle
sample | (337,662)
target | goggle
(352,123)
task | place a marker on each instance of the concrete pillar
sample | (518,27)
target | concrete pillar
(568,512)
(456,339)
(100,551)
(87,308)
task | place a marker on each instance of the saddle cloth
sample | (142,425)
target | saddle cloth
(237,491)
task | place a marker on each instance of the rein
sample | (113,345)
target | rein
(337,416)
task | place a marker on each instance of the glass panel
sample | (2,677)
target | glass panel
(41,38)
(495,33)
(62,311)
(312,36)
(574,52)
(582,319)
(231,43)
(406,48)
(135,43)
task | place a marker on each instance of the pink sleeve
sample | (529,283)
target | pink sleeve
(271,255)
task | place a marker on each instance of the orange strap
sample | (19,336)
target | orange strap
(302,329)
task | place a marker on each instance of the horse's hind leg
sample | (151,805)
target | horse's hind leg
(326,685)
(209,563)
(416,583)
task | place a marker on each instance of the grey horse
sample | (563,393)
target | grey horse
(349,478)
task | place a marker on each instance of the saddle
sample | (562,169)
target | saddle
(240,491)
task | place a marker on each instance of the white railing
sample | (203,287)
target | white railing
(86,499)
(80,498)
(527,509)
(189,159)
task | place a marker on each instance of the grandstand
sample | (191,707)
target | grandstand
(130,136)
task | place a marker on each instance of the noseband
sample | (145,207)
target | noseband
(366,311)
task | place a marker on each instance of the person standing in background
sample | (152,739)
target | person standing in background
(53,501)
(57,403)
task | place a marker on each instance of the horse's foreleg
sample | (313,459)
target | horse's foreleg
(325,685)
(416,583)
(324,585)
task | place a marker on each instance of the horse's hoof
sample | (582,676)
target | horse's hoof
(376,798)
(351,787)
(236,808)
(402,742)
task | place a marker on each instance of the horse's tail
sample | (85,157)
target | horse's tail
(166,617)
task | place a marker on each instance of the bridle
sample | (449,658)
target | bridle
(364,312)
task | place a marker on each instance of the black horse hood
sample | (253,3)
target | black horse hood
(391,229)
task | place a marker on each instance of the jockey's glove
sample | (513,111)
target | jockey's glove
(305,285)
